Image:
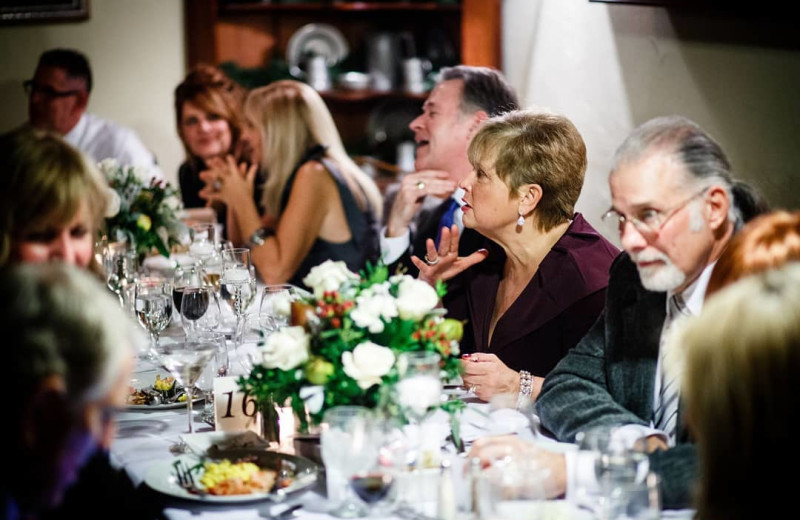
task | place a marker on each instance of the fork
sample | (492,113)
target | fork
(185,478)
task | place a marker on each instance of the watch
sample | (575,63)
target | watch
(259,236)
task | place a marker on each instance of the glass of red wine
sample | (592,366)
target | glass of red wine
(373,484)
(199,310)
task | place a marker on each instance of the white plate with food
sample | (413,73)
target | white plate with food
(161,394)
(235,475)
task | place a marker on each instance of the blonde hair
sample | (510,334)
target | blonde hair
(742,388)
(535,147)
(292,118)
(47,181)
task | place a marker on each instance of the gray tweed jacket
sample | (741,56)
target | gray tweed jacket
(609,378)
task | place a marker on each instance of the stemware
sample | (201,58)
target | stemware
(347,449)
(185,361)
(122,269)
(199,310)
(153,306)
(419,387)
(238,286)
(276,306)
(202,247)
(515,487)
(219,366)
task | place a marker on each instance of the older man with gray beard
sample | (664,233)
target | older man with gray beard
(676,207)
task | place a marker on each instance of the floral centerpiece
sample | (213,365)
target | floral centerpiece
(143,210)
(346,338)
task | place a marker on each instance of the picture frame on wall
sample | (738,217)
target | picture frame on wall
(43,11)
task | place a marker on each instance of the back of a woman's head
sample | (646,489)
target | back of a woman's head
(212,91)
(742,389)
(535,147)
(47,182)
(57,320)
(766,242)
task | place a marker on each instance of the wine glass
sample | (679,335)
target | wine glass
(347,449)
(516,487)
(153,306)
(121,270)
(373,483)
(185,361)
(188,275)
(276,306)
(199,310)
(238,287)
(202,247)
(219,366)
(518,415)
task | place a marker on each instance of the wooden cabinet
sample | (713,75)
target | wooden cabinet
(253,34)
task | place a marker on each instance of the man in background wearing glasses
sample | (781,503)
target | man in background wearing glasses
(58,96)
(676,207)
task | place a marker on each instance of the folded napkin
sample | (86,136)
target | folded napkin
(479,421)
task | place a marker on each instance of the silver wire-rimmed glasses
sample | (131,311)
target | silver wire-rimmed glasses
(650,221)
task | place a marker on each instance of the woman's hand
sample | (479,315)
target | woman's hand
(226,182)
(444,263)
(486,376)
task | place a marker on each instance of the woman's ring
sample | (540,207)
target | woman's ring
(217,185)
(431,262)
(473,388)
(421,185)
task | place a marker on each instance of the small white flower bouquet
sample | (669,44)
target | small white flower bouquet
(344,342)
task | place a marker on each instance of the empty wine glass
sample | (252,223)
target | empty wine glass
(199,310)
(238,286)
(219,366)
(276,306)
(514,413)
(153,305)
(516,487)
(347,449)
(122,270)
(185,361)
(419,387)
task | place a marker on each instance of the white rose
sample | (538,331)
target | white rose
(371,311)
(314,397)
(143,174)
(415,299)
(174,203)
(286,349)
(114,203)
(328,276)
(368,363)
(108,167)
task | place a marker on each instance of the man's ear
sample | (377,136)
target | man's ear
(717,207)
(81,100)
(530,196)
(477,120)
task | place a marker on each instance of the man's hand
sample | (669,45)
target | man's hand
(413,189)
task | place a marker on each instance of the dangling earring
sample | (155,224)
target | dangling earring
(521,220)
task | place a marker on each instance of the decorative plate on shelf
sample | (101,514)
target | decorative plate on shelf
(315,39)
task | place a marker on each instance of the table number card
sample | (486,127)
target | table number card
(233,409)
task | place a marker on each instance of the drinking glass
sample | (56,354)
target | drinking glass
(189,275)
(373,483)
(219,366)
(153,305)
(122,270)
(509,408)
(515,487)
(238,287)
(347,449)
(276,306)
(202,247)
(199,310)
(185,361)
(419,387)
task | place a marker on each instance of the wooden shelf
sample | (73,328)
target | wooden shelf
(363,95)
(248,7)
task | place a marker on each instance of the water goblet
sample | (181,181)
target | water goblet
(199,310)
(202,246)
(153,305)
(238,286)
(276,306)
(219,366)
(346,450)
(419,387)
(185,361)
(122,270)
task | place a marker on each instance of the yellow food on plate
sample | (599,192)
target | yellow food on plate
(236,478)
(164,385)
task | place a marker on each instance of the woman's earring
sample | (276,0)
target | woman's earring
(521,221)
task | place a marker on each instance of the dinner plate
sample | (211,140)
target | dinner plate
(161,477)
(315,39)
(167,406)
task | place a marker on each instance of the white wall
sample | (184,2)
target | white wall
(612,67)
(136,49)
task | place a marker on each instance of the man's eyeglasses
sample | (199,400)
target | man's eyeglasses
(650,221)
(31,88)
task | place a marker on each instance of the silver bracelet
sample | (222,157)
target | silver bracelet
(525,388)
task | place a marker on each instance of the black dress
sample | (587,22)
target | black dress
(355,252)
